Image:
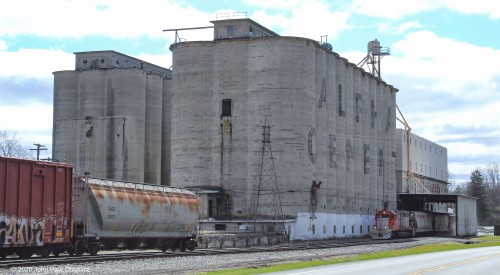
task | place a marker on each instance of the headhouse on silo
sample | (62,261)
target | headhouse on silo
(332,129)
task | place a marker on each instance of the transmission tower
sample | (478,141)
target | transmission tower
(266,191)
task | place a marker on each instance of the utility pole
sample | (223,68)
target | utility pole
(38,148)
(266,192)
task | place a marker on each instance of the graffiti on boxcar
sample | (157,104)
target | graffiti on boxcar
(143,226)
(21,230)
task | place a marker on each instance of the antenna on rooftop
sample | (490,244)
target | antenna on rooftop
(372,59)
(178,38)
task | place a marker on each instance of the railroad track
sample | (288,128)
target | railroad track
(37,261)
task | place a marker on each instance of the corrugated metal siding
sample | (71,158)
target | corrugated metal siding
(34,197)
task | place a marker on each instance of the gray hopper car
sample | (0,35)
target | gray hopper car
(114,214)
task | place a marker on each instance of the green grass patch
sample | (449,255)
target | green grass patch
(483,241)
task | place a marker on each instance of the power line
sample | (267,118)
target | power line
(38,148)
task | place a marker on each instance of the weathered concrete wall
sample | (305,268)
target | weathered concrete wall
(331,122)
(239,240)
(108,122)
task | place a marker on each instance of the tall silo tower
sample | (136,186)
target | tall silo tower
(332,123)
(108,116)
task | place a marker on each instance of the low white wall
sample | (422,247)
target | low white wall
(325,226)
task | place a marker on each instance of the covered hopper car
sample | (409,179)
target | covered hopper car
(44,210)
(393,223)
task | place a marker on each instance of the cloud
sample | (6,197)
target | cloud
(449,94)
(31,121)
(164,60)
(35,63)
(311,19)
(394,9)
(453,67)
(490,8)
(398,29)
(113,18)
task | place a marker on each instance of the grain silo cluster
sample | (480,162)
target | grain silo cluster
(332,127)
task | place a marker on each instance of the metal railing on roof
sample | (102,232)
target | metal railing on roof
(231,15)
(137,186)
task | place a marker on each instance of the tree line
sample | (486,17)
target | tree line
(10,146)
(484,185)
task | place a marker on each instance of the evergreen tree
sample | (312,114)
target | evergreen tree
(476,188)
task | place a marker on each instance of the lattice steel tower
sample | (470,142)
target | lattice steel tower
(266,191)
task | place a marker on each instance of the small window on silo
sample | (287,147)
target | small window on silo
(230,30)
(226,107)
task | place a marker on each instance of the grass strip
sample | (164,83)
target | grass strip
(484,241)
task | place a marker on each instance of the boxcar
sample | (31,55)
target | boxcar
(35,207)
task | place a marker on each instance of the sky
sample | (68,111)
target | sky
(445,55)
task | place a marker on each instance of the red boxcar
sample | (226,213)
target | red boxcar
(35,207)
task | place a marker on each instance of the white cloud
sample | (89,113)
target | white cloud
(444,65)
(3,45)
(311,19)
(396,9)
(113,18)
(490,8)
(451,89)
(164,60)
(398,29)
(32,122)
(392,9)
(35,63)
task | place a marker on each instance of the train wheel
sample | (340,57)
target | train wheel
(191,245)
(79,248)
(71,251)
(182,246)
(57,250)
(164,249)
(3,254)
(25,253)
(45,251)
(93,249)
(173,248)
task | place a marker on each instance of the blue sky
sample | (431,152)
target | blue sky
(445,55)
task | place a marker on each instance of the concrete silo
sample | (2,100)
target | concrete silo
(108,116)
(331,122)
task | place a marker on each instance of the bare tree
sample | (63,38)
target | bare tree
(492,181)
(10,146)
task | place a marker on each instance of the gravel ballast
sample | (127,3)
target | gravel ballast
(197,264)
